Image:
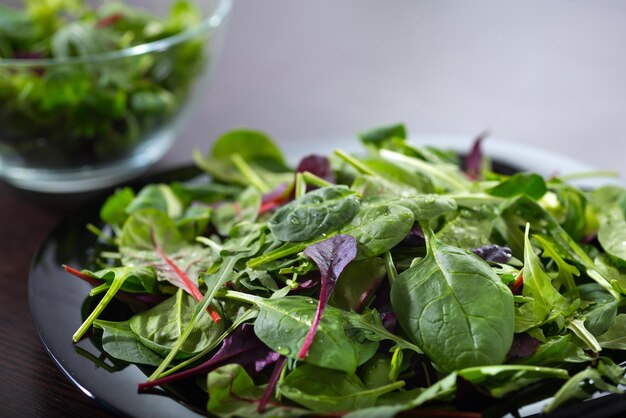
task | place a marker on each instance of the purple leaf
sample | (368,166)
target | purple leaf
(331,257)
(389,320)
(382,303)
(241,347)
(493,252)
(318,165)
(523,345)
(415,237)
(271,384)
(474,160)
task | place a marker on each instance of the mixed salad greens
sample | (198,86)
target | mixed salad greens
(366,285)
(90,111)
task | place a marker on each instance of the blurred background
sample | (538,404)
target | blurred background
(311,74)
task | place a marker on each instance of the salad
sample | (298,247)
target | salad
(400,279)
(59,110)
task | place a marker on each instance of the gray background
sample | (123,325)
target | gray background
(550,74)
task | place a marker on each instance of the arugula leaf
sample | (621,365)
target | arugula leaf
(545,301)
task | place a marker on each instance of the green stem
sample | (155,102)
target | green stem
(249,314)
(240,296)
(314,180)
(210,243)
(287,249)
(116,285)
(249,173)
(454,183)
(200,309)
(588,174)
(300,186)
(390,267)
(356,164)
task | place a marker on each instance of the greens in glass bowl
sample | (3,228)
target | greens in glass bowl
(93,92)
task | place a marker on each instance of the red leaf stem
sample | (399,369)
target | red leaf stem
(191,287)
(517,284)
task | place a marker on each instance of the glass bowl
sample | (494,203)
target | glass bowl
(85,122)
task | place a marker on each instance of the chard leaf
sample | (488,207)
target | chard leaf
(325,390)
(314,214)
(454,293)
(160,328)
(149,234)
(120,342)
(331,256)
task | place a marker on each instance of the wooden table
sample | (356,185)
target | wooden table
(30,383)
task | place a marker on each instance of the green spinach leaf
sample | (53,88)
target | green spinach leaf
(454,293)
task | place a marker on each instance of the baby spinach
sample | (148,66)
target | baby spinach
(314,214)
(119,341)
(440,285)
(454,293)
(379,227)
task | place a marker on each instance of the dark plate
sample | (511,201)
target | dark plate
(58,303)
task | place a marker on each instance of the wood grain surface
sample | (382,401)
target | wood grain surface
(30,383)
